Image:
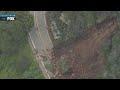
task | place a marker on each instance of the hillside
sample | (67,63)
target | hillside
(85,50)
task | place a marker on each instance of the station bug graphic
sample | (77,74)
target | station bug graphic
(10,18)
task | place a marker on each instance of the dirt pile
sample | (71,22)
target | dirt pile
(83,58)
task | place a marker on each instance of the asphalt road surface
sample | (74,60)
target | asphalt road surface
(40,38)
(36,40)
(42,27)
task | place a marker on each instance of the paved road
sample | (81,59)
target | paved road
(41,26)
(39,59)
(40,38)
(36,40)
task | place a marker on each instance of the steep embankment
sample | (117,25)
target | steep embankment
(83,57)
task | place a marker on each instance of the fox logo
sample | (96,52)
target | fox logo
(10,18)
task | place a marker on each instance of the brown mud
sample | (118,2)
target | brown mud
(83,57)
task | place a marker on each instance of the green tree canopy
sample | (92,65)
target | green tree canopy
(13,34)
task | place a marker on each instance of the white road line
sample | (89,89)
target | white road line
(32,41)
(45,69)
(44,48)
(41,37)
(39,56)
(47,29)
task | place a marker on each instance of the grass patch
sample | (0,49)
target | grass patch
(112,65)
(106,48)
(20,65)
(116,39)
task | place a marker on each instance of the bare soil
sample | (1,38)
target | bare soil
(83,57)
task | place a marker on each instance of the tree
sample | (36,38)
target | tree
(13,34)
(113,59)
(79,22)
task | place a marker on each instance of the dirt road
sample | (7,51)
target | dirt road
(83,57)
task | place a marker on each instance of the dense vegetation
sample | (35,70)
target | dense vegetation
(16,60)
(112,55)
(76,23)
(13,34)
